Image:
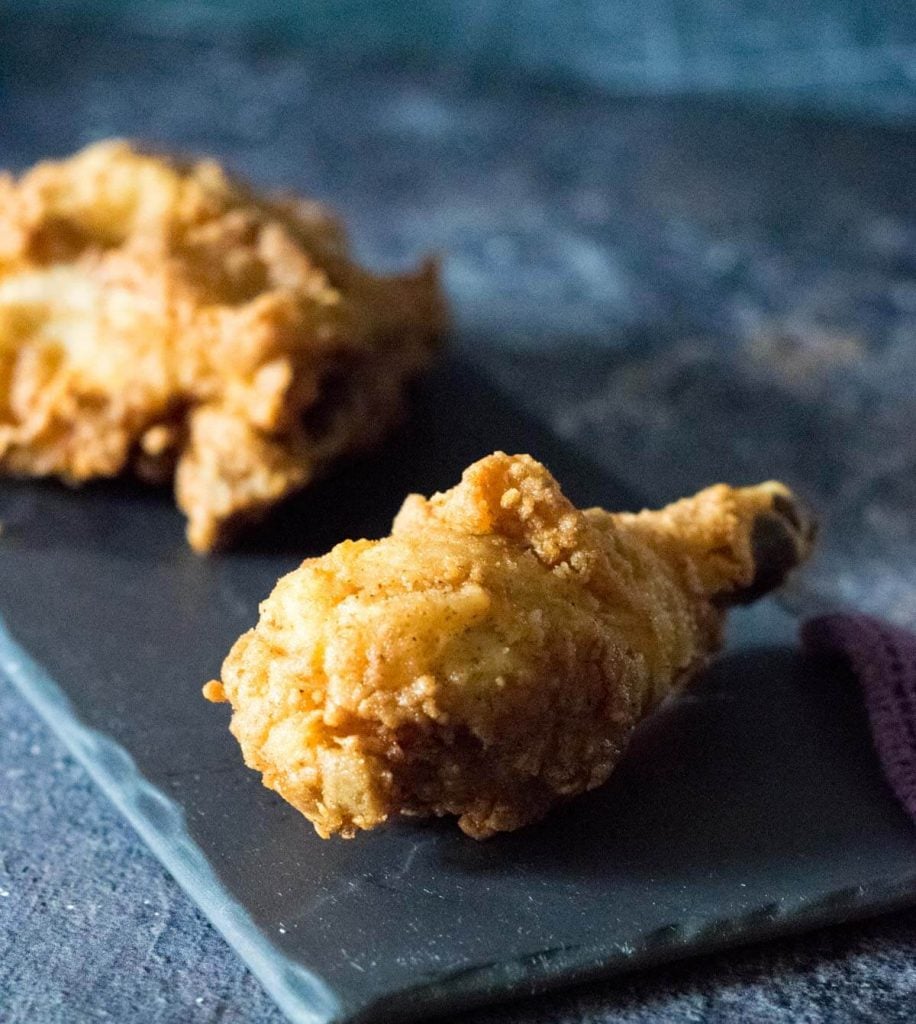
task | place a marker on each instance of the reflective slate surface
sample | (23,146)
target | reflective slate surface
(749,807)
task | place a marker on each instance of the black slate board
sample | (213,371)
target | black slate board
(749,807)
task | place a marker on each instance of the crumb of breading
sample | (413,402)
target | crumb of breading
(214,691)
(492,656)
(161,318)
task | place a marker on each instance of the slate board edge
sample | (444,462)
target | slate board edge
(538,973)
(302,996)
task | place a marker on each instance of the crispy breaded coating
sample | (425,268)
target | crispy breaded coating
(162,319)
(493,655)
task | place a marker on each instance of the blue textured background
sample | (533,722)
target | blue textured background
(841,56)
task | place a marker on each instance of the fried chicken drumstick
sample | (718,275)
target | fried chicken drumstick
(163,319)
(493,655)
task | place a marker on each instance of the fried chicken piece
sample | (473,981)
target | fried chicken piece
(161,318)
(494,654)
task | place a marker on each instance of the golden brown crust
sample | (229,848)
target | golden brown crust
(163,319)
(492,656)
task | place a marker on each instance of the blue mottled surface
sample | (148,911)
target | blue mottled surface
(837,56)
(685,290)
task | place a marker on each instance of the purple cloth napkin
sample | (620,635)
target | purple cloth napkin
(883,658)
